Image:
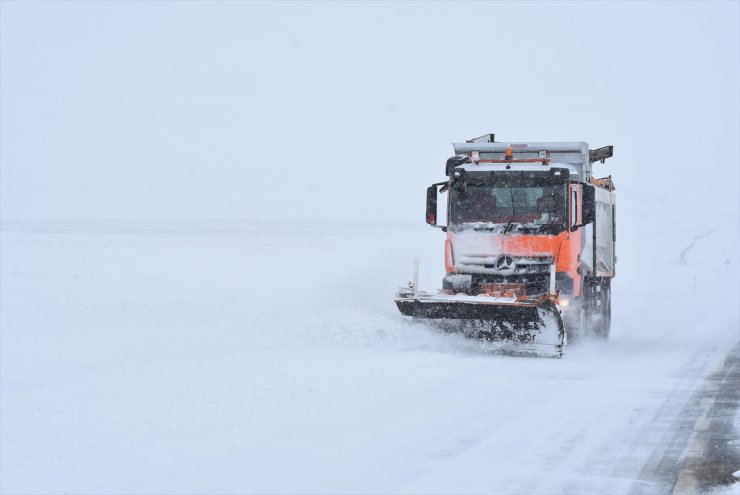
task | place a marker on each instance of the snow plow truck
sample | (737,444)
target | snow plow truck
(529,254)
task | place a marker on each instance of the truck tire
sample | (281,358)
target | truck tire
(597,304)
(602,329)
(576,322)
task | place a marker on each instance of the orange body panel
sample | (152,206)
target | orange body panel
(448,255)
(564,248)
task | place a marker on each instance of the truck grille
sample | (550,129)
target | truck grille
(504,265)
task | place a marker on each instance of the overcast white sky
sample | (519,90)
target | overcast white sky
(326,110)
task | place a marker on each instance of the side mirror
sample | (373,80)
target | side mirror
(432,205)
(588,208)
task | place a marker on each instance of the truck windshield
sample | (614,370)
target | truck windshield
(538,207)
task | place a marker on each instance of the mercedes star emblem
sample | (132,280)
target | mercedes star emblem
(505,264)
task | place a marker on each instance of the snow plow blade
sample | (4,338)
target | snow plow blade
(531,326)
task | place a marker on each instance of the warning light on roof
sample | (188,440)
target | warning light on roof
(508,153)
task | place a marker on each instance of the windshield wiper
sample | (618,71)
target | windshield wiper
(530,226)
(511,219)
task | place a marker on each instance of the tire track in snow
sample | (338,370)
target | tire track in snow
(682,259)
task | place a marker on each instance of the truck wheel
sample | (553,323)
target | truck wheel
(575,322)
(603,327)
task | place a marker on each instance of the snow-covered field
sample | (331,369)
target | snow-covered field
(233,357)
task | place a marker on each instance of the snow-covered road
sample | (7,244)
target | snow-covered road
(233,357)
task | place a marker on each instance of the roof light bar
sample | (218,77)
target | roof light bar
(544,158)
